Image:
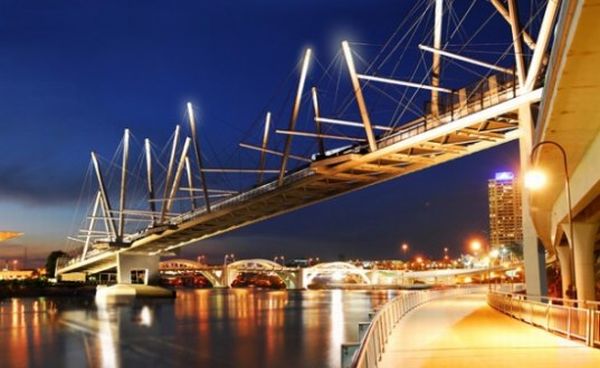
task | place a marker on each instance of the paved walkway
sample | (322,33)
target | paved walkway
(466,332)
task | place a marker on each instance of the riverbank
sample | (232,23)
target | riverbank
(37,288)
(248,328)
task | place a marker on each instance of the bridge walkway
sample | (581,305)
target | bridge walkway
(465,332)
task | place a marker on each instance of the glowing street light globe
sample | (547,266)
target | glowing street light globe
(535,179)
(475,245)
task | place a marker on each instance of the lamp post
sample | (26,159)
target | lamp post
(404,248)
(230,257)
(536,179)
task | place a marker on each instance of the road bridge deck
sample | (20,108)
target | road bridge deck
(465,332)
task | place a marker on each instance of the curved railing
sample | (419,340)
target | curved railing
(574,319)
(368,352)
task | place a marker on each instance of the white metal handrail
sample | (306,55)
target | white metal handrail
(367,353)
(574,319)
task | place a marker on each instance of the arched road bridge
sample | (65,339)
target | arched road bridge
(301,278)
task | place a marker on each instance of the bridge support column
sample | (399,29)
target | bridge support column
(137,269)
(533,250)
(564,259)
(296,280)
(584,235)
(535,265)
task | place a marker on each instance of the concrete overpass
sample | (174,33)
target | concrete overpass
(570,116)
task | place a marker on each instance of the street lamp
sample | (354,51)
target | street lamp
(404,248)
(475,246)
(420,262)
(536,179)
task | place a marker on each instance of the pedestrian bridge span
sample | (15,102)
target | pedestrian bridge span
(473,114)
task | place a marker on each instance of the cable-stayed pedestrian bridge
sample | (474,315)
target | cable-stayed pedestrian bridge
(473,114)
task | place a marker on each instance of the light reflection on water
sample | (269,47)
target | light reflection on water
(215,328)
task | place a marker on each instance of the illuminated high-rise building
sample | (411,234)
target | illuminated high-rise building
(506,219)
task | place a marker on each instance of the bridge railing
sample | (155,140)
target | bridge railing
(367,353)
(574,319)
(480,95)
(246,196)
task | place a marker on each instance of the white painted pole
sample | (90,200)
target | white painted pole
(315,101)
(466,59)
(515,27)
(91,226)
(197,153)
(404,83)
(436,61)
(350,123)
(105,201)
(504,13)
(542,44)
(188,170)
(178,172)
(163,210)
(360,99)
(123,185)
(265,141)
(294,116)
(149,178)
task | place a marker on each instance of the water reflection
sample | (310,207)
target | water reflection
(218,328)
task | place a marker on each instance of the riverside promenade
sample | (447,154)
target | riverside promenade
(464,331)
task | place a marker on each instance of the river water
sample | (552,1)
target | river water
(200,328)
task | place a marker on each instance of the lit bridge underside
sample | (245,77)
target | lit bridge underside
(458,122)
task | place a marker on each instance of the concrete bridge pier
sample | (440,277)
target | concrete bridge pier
(584,235)
(295,280)
(564,260)
(136,273)
(137,269)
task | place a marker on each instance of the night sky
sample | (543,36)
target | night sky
(74,74)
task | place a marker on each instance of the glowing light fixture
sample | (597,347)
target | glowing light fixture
(475,245)
(535,179)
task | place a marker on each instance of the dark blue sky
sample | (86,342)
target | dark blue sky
(74,74)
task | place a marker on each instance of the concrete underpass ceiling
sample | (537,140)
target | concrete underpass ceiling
(571,115)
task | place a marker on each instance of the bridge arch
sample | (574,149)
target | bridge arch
(334,265)
(255,263)
(334,269)
(179,264)
(214,277)
(265,266)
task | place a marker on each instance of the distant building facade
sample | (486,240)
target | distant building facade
(506,219)
(18,274)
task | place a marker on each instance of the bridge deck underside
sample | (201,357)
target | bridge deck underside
(409,149)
